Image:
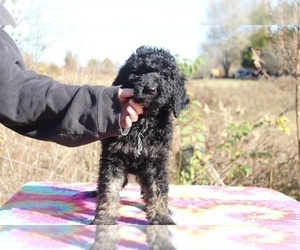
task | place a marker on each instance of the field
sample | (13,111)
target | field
(268,152)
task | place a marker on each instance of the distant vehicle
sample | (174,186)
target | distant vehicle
(248,73)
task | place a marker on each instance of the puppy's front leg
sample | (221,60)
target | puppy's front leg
(111,179)
(155,189)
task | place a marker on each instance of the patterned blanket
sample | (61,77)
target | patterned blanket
(56,216)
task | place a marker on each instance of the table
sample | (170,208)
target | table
(46,215)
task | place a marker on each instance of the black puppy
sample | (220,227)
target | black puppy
(159,87)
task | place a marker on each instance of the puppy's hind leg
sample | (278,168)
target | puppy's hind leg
(110,182)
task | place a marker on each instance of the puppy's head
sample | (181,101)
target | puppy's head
(156,79)
(150,90)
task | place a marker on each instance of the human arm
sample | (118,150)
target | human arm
(39,107)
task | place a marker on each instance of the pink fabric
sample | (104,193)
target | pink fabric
(56,215)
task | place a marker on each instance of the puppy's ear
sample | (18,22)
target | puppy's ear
(180,98)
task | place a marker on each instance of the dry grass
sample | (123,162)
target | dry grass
(269,153)
(23,160)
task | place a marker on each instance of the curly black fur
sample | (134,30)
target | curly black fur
(160,87)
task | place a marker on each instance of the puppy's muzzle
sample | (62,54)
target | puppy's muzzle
(149,89)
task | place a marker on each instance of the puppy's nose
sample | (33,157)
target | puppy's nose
(150,90)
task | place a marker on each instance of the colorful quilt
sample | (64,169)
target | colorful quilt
(57,216)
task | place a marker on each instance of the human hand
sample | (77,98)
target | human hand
(130,110)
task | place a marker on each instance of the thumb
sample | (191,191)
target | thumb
(126,93)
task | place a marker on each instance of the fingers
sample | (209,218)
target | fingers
(130,110)
(128,115)
(132,113)
(125,94)
(137,107)
(126,122)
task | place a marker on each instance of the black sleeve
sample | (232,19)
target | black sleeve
(42,108)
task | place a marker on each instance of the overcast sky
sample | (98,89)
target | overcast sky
(113,28)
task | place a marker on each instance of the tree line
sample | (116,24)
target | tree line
(240,30)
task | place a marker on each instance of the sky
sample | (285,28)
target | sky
(111,29)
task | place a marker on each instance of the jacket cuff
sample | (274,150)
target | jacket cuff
(109,112)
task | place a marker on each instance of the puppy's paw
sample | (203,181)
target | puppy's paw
(95,222)
(106,221)
(162,220)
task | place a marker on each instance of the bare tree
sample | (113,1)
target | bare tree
(227,35)
(108,67)
(32,34)
(71,62)
(285,37)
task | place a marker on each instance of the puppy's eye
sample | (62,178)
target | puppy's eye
(132,77)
